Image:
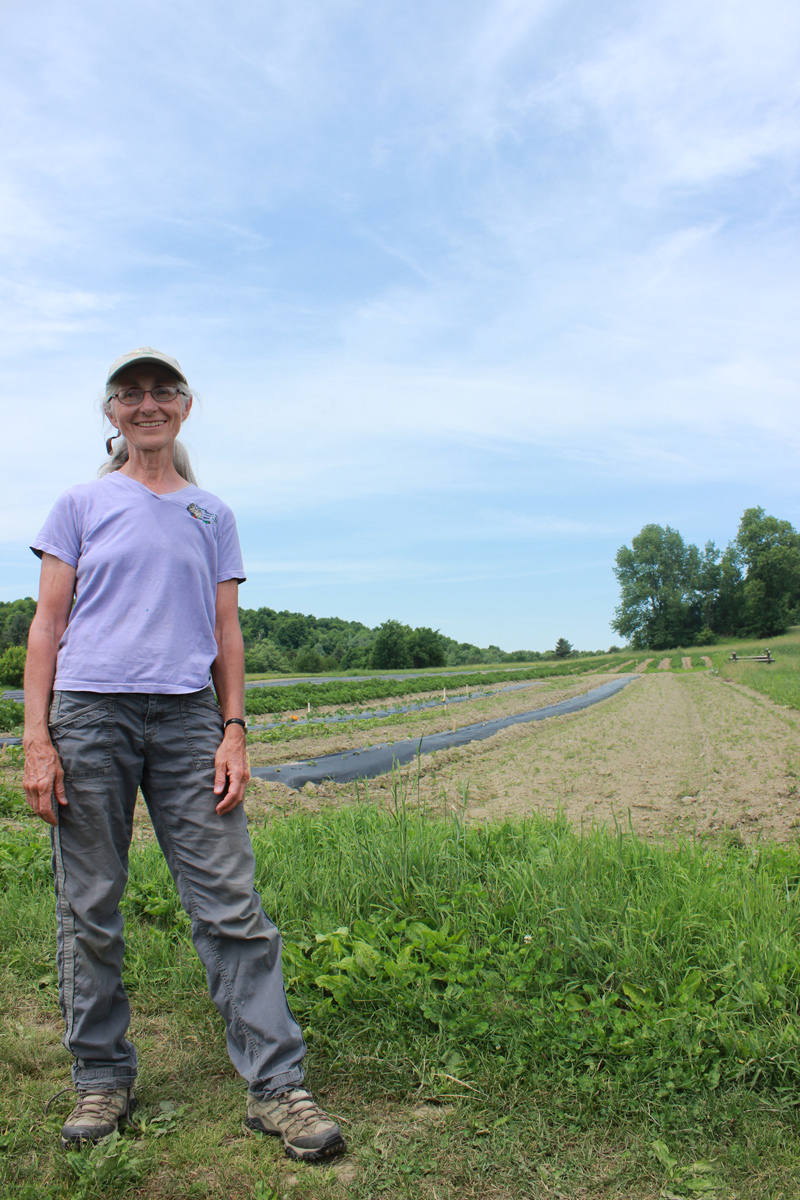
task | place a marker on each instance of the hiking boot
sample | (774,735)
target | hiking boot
(96,1115)
(307,1131)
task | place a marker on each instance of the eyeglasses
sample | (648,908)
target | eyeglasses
(134,395)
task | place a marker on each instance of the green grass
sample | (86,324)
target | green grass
(495,1011)
(779,680)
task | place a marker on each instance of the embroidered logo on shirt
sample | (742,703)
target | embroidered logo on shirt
(201,514)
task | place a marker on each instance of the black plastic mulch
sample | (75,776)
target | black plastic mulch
(379,760)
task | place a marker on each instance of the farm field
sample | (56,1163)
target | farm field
(674,753)
(559,963)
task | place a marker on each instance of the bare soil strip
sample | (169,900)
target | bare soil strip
(642,666)
(686,663)
(665,664)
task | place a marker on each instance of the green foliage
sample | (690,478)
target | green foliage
(426,647)
(592,998)
(563,648)
(522,950)
(674,595)
(770,551)
(391,649)
(348,645)
(657,576)
(12,716)
(110,1165)
(274,641)
(12,665)
(15,620)
(308,661)
(24,859)
(12,801)
(265,656)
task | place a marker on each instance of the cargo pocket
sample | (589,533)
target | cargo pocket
(83,735)
(202,725)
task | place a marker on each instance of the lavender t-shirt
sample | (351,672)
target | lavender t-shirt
(147,573)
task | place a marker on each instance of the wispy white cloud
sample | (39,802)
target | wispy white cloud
(689,96)
(534,256)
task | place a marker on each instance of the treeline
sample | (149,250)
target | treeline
(673,594)
(297,642)
(288,641)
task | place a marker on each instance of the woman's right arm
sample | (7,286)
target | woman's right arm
(43,776)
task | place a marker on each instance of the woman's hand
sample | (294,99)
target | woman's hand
(43,777)
(232,768)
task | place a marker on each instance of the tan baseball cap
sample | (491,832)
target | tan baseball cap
(145,354)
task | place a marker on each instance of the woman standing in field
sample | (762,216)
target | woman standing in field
(118,697)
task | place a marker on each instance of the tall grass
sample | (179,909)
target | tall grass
(499,952)
(779,680)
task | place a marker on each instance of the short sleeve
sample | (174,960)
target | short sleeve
(61,534)
(229,552)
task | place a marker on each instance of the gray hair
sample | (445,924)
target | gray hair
(119,456)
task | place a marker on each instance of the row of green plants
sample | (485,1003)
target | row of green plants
(360,691)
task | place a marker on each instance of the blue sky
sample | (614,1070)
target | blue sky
(469,291)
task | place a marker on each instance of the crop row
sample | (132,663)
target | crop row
(298,695)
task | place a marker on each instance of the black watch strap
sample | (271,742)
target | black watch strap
(235,721)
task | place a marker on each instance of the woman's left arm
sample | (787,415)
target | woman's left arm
(227,672)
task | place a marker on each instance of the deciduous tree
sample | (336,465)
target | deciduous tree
(770,552)
(390,649)
(659,575)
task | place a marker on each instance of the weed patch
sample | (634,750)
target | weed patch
(497,1010)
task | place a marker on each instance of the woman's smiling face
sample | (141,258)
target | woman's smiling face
(151,424)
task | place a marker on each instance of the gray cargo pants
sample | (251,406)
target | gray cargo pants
(110,745)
